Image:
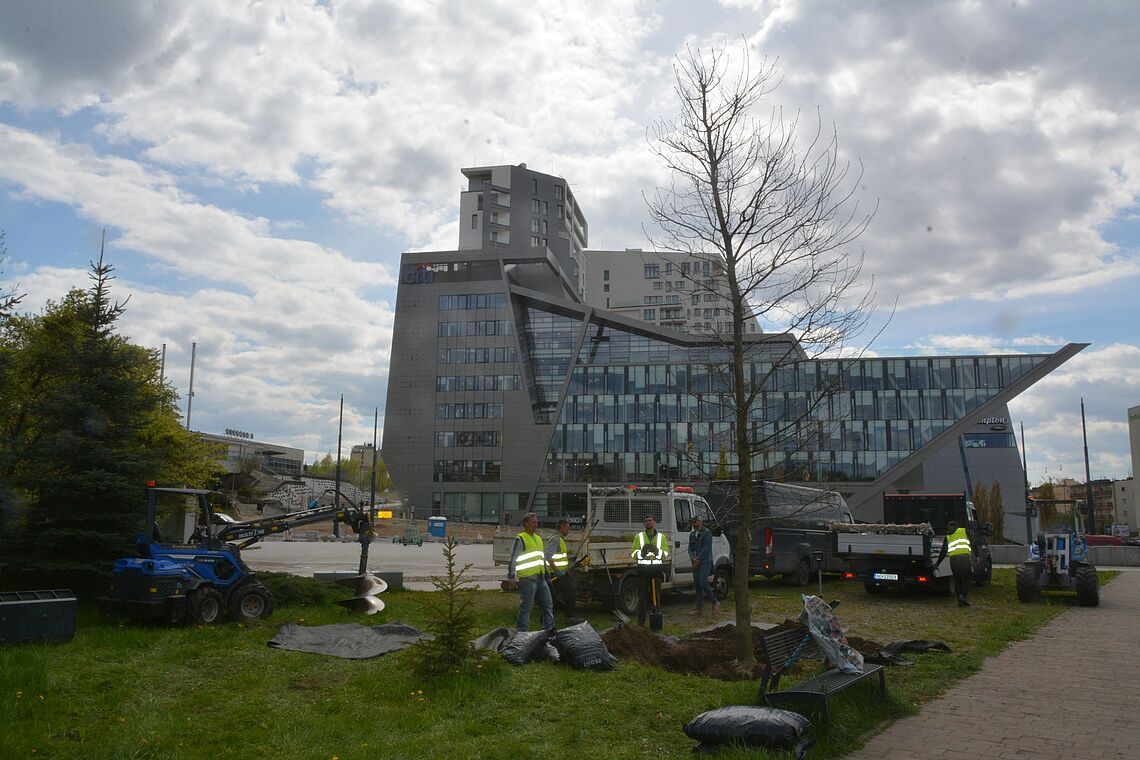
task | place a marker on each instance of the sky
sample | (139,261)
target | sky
(259,167)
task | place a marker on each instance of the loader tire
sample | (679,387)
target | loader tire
(1027,588)
(205,605)
(251,600)
(1088,586)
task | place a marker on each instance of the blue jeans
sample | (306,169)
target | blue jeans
(529,589)
(701,578)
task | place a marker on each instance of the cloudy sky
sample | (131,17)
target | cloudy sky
(260,166)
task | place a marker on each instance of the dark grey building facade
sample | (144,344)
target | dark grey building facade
(508,391)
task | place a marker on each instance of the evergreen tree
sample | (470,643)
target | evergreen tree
(85,422)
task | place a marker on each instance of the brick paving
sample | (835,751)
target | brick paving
(1071,691)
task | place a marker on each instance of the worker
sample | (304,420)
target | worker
(957,547)
(527,568)
(558,560)
(700,554)
(650,549)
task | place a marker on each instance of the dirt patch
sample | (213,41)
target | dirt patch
(709,652)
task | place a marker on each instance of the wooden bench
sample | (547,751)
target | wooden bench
(783,649)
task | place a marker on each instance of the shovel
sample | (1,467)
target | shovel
(655,621)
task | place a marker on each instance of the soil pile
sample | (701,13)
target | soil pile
(707,652)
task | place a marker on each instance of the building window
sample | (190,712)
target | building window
(545,208)
(657,284)
(474,221)
(606,288)
(558,192)
(650,314)
(696,300)
(652,270)
(535,206)
(605,275)
(479,200)
(679,285)
(534,225)
(668,268)
(534,242)
(534,186)
(558,211)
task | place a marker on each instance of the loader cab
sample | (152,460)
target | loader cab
(176,516)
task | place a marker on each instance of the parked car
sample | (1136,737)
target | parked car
(1093,539)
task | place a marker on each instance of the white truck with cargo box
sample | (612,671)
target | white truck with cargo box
(606,571)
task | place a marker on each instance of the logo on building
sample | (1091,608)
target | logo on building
(995,423)
(421,274)
(238,434)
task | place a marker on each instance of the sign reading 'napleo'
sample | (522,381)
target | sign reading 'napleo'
(995,423)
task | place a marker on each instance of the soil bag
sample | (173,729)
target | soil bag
(581,647)
(525,646)
(751,726)
(829,636)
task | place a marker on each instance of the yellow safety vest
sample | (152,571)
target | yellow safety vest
(532,561)
(652,559)
(957,543)
(561,560)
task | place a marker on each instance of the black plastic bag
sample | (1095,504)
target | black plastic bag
(550,653)
(581,647)
(751,726)
(525,646)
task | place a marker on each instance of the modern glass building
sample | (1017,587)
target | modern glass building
(508,392)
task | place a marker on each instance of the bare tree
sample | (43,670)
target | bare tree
(773,213)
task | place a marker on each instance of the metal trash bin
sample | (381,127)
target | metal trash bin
(47,616)
(437,527)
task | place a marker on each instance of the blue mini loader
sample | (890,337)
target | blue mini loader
(1059,556)
(189,562)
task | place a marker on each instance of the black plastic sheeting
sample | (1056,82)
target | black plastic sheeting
(889,655)
(748,726)
(351,641)
(581,647)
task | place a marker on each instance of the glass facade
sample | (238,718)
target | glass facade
(640,409)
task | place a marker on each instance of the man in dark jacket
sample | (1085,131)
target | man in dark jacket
(700,554)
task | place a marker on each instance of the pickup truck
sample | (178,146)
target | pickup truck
(903,549)
(790,527)
(606,571)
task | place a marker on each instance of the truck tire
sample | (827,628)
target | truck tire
(987,575)
(204,605)
(1088,587)
(251,600)
(1027,588)
(802,575)
(722,582)
(629,595)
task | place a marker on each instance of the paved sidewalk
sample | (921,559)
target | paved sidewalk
(1071,691)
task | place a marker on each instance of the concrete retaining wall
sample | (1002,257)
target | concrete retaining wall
(1101,556)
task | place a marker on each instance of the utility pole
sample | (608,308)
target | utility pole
(336,495)
(366,534)
(1088,478)
(190,394)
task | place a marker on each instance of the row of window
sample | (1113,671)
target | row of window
(653,271)
(688,437)
(489,355)
(866,374)
(448,383)
(468,438)
(654,300)
(467,470)
(776,406)
(473,301)
(773,465)
(479,506)
(468,411)
(474,327)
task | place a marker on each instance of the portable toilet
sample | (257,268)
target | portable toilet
(437,527)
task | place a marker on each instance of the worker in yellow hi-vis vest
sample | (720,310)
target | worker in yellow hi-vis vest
(528,566)
(957,547)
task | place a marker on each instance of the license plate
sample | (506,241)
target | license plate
(885,576)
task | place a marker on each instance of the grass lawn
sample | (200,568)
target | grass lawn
(121,690)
